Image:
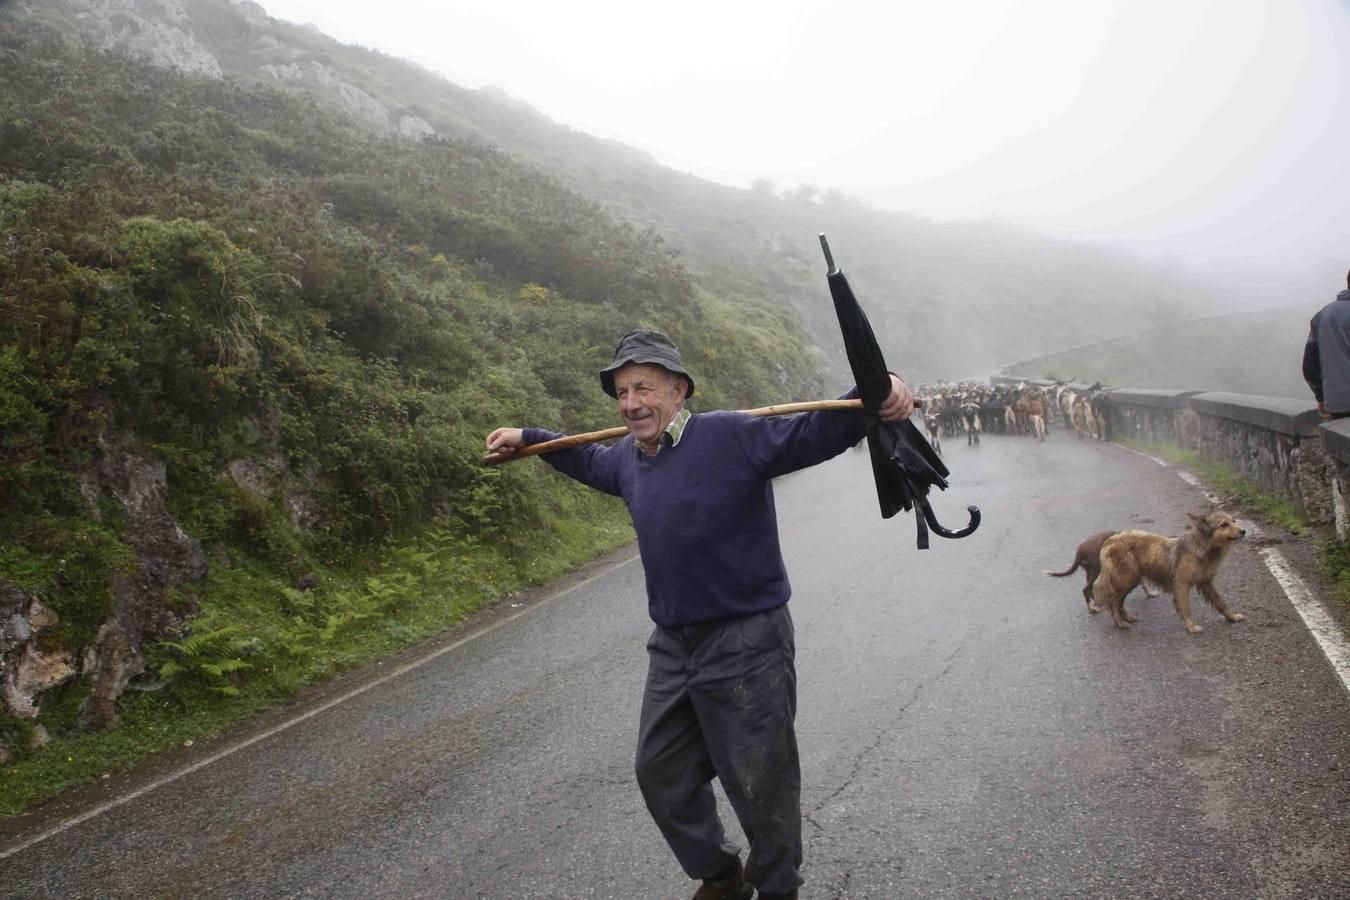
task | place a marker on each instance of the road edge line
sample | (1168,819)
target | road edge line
(158,783)
(1325,631)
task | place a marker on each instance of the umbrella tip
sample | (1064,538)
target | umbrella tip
(829,258)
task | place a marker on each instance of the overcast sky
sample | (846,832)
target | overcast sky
(1212,133)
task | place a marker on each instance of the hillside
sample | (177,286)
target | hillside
(261,297)
(1256,353)
(248,354)
(948,299)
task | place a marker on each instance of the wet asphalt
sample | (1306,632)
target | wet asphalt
(967,729)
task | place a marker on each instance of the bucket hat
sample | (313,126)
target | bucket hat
(651,347)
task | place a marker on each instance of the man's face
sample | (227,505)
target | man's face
(649,396)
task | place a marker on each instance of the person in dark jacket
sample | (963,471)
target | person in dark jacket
(720,698)
(1326,357)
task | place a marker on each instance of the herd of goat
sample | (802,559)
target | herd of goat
(972,409)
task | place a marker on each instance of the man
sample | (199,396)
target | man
(1326,357)
(720,697)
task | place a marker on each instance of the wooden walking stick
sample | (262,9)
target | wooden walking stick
(591,437)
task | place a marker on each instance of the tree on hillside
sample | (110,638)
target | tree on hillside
(804,193)
(763,187)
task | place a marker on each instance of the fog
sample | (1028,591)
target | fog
(1206,135)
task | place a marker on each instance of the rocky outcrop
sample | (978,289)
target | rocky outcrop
(113,661)
(166,559)
(159,31)
(26,669)
(260,477)
(251,12)
(265,476)
(164,33)
(15,630)
(168,563)
(415,127)
(36,672)
(327,80)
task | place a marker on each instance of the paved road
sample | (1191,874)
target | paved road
(967,730)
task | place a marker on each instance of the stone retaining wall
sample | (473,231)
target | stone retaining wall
(1336,441)
(1159,416)
(1280,444)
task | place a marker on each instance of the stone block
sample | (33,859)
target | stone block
(1292,417)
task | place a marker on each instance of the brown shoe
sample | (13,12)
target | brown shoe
(728,887)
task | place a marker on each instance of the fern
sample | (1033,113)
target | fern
(210,659)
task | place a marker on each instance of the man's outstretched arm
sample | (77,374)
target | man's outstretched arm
(591,464)
(506,441)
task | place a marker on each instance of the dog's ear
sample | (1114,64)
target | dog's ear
(1202,522)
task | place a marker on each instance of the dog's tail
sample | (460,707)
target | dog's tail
(1073,568)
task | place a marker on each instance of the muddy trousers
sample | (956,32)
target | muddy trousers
(720,702)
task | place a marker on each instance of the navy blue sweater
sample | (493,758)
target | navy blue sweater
(704,510)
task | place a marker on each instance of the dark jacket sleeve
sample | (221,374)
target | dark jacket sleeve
(779,445)
(1312,361)
(591,464)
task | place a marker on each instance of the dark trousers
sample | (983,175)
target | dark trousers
(720,701)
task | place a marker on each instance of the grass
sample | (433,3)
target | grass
(1333,554)
(260,641)
(1264,505)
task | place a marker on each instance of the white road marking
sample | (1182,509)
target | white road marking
(1196,483)
(277,729)
(1324,629)
(1252,527)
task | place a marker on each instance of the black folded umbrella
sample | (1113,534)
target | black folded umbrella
(904,464)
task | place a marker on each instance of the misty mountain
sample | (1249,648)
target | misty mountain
(948,300)
(1252,353)
(248,343)
(262,296)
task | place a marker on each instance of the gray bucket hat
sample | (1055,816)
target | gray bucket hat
(650,347)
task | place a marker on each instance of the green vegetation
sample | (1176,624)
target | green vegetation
(207,273)
(1230,483)
(1333,554)
(259,641)
(948,300)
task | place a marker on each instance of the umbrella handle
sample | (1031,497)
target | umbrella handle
(829,257)
(945,532)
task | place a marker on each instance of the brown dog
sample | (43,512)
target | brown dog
(1181,563)
(1088,556)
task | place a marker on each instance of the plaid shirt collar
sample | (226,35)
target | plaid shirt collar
(674,431)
